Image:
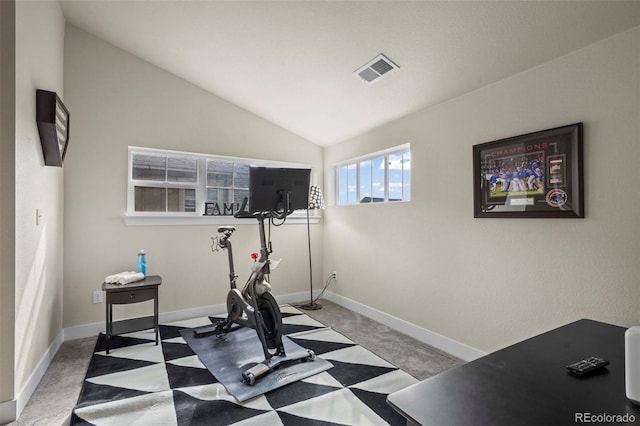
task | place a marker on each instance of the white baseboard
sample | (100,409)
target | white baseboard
(423,335)
(38,373)
(8,411)
(296,298)
(93,329)
(82,331)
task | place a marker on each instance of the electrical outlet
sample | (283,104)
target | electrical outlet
(335,275)
(97,297)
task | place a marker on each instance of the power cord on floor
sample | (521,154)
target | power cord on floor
(326,285)
(313,305)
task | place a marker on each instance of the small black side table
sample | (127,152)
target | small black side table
(139,291)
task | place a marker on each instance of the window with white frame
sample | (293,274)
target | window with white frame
(227,185)
(377,178)
(164,183)
(174,183)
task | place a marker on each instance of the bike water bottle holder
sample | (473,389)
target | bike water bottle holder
(257,266)
(273,264)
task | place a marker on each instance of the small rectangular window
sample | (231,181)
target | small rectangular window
(366,195)
(227,185)
(164,183)
(406,176)
(399,176)
(156,199)
(352,189)
(181,200)
(150,199)
(372,187)
(395,177)
(348,184)
(375,179)
(342,185)
(149,167)
(182,170)
(219,174)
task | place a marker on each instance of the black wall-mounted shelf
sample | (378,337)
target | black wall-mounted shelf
(53,125)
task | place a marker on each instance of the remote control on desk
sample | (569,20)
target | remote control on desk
(586,366)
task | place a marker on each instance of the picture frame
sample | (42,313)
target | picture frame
(535,175)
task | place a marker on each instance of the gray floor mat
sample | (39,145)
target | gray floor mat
(240,350)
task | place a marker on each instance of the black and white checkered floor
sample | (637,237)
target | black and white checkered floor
(140,383)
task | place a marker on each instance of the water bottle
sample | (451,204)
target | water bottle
(142,262)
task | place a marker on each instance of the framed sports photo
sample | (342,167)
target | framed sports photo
(537,175)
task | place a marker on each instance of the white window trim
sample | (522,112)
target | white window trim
(357,161)
(133,218)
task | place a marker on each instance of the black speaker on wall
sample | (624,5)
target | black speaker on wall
(53,126)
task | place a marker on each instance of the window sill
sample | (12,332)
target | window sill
(182,220)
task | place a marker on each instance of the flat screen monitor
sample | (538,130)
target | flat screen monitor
(278,189)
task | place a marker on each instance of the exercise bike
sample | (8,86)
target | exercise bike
(254,306)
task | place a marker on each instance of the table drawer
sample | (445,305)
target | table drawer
(131,296)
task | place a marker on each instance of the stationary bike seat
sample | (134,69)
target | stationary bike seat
(226,228)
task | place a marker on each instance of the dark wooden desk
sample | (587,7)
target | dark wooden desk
(527,383)
(139,291)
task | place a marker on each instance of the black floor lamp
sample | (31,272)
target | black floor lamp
(316,202)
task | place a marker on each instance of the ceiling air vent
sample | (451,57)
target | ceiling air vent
(375,69)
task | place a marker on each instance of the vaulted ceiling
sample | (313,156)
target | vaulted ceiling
(292,62)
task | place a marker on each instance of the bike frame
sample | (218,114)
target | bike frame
(246,301)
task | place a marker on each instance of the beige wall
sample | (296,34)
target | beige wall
(490,282)
(7,200)
(119,100)
(38,262)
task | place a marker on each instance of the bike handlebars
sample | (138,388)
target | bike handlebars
(243,213)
